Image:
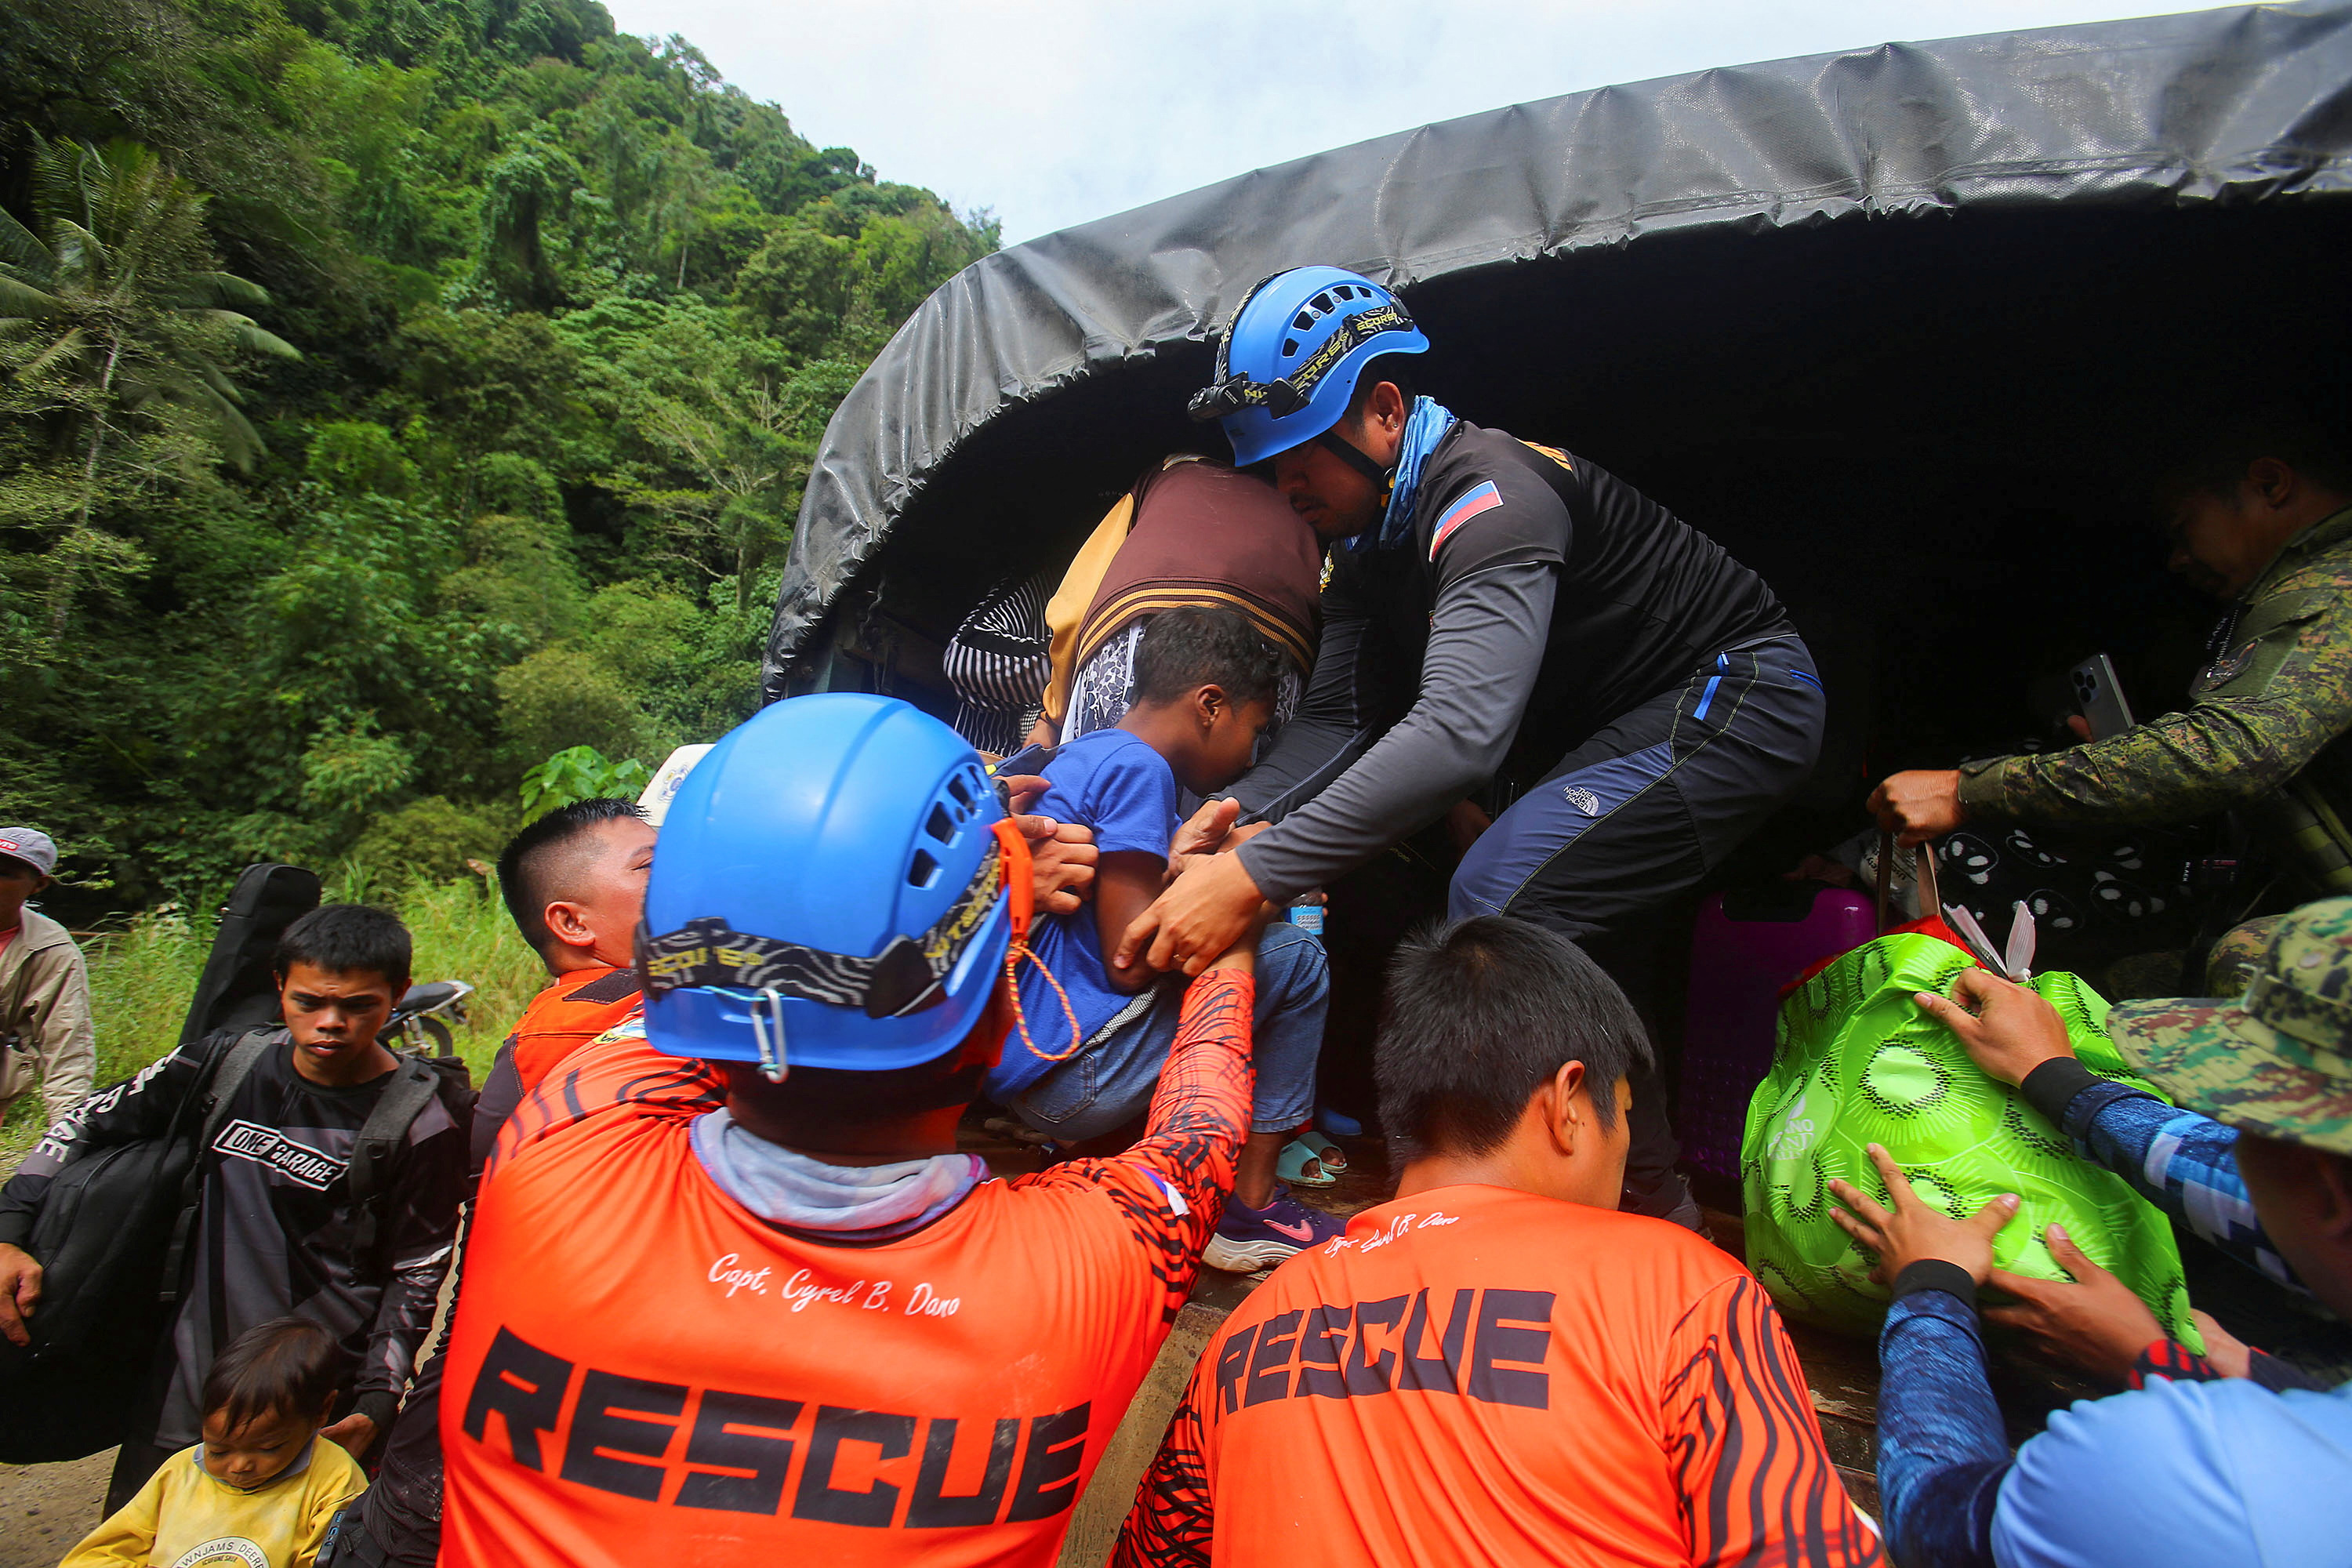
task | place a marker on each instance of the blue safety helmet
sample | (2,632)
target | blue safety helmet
(1286,368)
(835,885)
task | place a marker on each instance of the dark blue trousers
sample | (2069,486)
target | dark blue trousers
(1635,815)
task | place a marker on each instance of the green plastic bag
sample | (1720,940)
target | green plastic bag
(1856,1062)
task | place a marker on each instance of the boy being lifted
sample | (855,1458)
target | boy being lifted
(731,1289)
(1204,691)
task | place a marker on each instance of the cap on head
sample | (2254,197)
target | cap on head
(1287,367)
(2276,1061)
(829,890)
(33,846)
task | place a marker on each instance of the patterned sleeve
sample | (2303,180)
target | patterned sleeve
(1173,1185)
(1942,1451)
(617,1071)
(2183,1163)
(1756,1483)
(1172,1521)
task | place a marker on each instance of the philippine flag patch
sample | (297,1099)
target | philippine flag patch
(1485,498)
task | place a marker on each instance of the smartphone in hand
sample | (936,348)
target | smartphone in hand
(2099,697)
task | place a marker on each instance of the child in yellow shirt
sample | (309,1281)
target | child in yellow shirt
(259,1491)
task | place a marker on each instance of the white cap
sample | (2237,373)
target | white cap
(655,801)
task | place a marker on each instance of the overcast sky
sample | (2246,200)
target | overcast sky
(1052,112)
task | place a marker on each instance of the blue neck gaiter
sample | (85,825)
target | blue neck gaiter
(1424,428)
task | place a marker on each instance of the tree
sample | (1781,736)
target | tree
(116,304)
(574,311)
(116,334)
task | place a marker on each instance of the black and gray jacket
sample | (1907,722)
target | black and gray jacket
(1538,598)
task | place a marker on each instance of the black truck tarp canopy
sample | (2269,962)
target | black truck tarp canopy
(1891,325)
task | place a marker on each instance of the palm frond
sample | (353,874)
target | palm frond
(228,289)
(20,300)
(78,247)
(213,377)
(22,252)
(241,442)
(64,348)
(261,340)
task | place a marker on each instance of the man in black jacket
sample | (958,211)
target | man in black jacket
(1501,619)
(276,1230)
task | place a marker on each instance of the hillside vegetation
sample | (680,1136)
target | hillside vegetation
(396,393)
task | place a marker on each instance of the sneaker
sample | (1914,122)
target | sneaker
(1248,1239)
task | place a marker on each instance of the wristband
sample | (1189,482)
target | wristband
(1937,1273)
(2051,1087)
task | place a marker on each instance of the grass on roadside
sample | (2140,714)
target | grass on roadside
(143,973)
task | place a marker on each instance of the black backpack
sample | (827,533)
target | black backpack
(111,1238)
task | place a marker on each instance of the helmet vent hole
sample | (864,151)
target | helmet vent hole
(1289,347)
(962,791)
(939,825)
(924,870)
(1302,322)
(1322,303)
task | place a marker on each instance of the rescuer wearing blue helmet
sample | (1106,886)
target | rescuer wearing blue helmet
(836,902)
(1510,635)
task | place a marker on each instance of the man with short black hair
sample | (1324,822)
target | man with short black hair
(574,882)
(1507,627)
(277,1231)
(1498,1366)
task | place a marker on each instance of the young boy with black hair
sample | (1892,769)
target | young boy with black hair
(263,1484)
(277,1231)
(1205,680)
(1498,1366)
(574,882)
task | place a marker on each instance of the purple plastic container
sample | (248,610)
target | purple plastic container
(1744,948)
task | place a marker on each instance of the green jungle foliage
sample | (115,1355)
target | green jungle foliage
(395,394)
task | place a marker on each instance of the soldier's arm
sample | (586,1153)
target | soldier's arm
(2238,742)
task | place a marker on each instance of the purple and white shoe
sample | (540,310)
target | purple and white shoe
(1248,1239)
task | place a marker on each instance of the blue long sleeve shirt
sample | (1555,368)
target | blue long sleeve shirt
(2237,1465)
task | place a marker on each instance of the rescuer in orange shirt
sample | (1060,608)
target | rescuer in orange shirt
(731,1290)
(1498,1367)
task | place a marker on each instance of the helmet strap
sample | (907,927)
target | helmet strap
(1355,457)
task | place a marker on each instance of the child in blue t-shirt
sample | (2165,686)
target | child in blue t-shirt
(1205,688)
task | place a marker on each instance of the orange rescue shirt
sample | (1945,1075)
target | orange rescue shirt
(1478,1375)
(642,1371)
(575,1007)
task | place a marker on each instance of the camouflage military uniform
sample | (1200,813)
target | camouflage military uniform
(2264,735)
(2276,1062)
